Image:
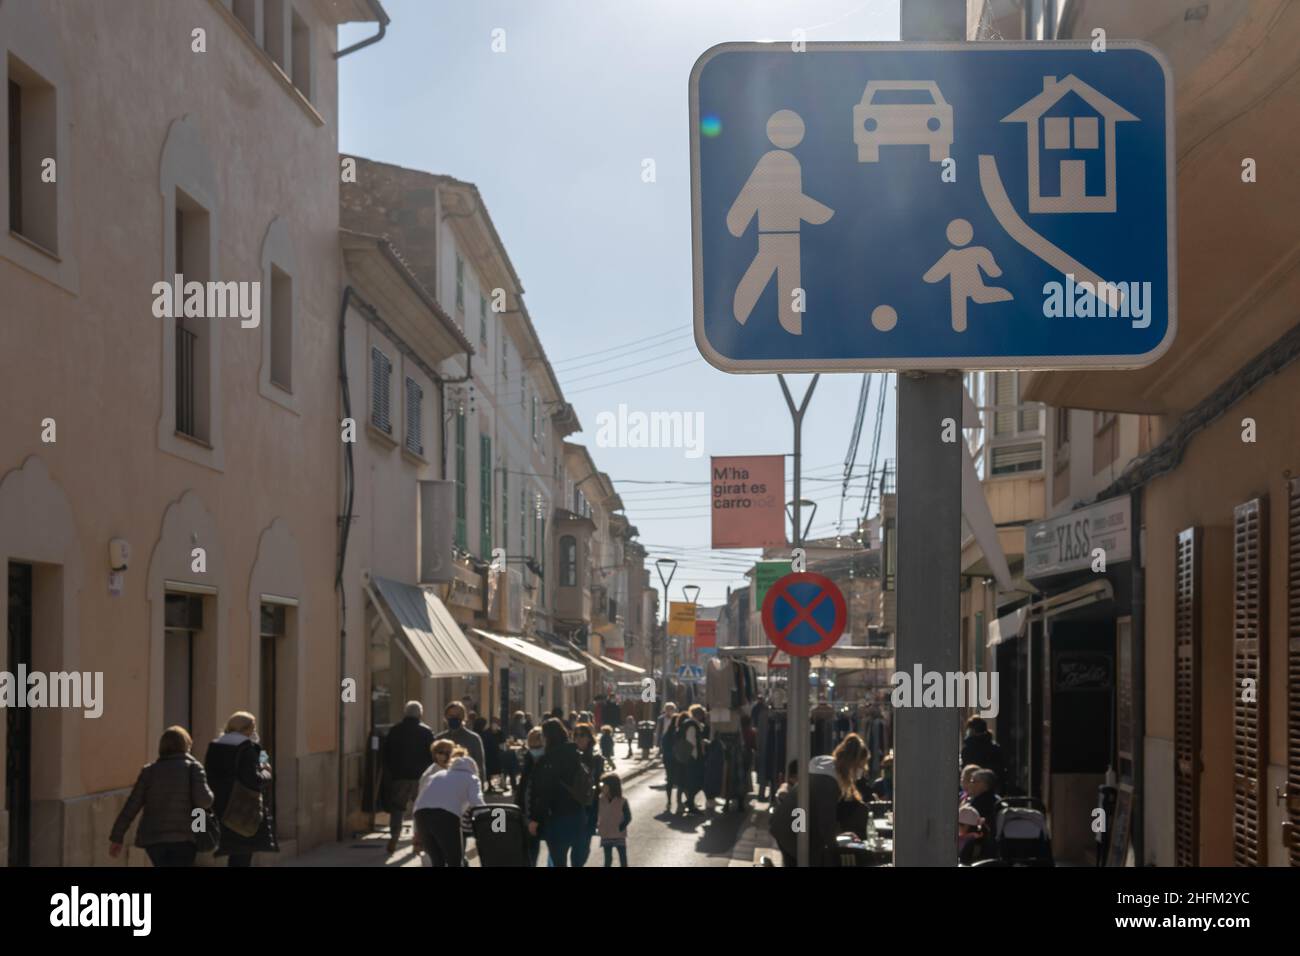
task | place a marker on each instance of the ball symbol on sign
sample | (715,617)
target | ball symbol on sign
(884,318)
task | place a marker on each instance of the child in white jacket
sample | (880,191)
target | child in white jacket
(445,796)
(612,817)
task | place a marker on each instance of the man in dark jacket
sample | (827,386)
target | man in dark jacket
(458,733)
(979,748)
(405,757)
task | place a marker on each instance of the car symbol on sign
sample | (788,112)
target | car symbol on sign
(902,124)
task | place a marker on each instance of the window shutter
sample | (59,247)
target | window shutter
(414,424)
(380,369)
(1004,396)
(1291,826)
(1187,696)
(1249,651)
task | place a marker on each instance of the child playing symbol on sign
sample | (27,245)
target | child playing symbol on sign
(962,268)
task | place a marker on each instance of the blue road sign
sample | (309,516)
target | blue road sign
(932,205)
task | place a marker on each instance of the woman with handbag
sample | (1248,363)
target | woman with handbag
(168,791)
(240,773)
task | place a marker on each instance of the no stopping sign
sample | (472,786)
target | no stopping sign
(804,614)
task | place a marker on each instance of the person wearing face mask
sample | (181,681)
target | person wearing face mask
(458,733)
(524,793)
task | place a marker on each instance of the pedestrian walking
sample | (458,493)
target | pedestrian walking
(239,772)
(607,744)
(585,740)
(524,793)
(689,751)
(446,794)
(661,727)
(667,752)
(979,748)
(459,733)
(404,758)
(165,795)
(613,816)
(561,794)
(491,739)
(629,732)
(520,724)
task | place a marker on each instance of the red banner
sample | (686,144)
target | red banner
(706,633)
(614,653)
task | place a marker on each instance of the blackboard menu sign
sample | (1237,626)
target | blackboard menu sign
(1119,826)
(1082,671)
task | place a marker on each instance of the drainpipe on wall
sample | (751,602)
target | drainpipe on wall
(344,527)
(383,19)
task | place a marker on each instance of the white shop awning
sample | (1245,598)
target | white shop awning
(425,630)
(623,665)
(1007,627)
(569,671)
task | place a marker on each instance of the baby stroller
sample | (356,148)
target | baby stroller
(1020,836)
(500,834)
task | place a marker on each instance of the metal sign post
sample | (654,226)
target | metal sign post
(926,746)
(798,737)
(929,576)
(660,564)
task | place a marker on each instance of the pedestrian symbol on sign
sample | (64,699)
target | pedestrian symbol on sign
(774,192)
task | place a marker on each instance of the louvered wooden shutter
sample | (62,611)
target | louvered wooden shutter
(1187,696)
(380,368)
(414,416)
(1249,652)
(1291,826)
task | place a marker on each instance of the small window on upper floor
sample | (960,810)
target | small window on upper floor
(381,371)
(482,321)
(33,197)
(303,64)
(274,38)
(246,13)
(281,329)
(192,239)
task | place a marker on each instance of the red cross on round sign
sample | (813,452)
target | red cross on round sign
(804,614)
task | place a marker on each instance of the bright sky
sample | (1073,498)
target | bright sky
(554,132)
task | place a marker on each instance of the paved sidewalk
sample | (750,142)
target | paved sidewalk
(371,849)
(754,841)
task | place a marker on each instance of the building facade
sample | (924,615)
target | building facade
(166,527)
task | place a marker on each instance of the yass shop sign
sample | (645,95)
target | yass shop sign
(1070,542)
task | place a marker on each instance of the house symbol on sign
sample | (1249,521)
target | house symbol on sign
(1069,145)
